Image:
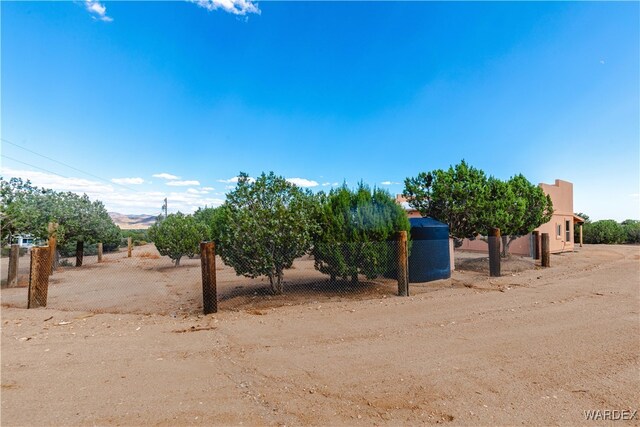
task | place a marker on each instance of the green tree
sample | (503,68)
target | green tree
(267,224)
(178,235)
(29,209)
(605,231)
(213,218)
(456,196)
(631,228)
(515,206)
(355,229)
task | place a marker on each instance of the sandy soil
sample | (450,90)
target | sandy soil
(532,347)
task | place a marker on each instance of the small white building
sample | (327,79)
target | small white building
(24,240)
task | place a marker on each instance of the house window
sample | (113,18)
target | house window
(558,230)
(567,231)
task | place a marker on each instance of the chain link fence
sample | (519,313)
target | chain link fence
(143,282)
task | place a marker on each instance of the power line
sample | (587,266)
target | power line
(61,163)
(33,166)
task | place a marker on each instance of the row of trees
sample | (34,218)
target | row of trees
(472,203)
(610,231)
(27,209)
(265,224)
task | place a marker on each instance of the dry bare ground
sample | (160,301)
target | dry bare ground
(532,347)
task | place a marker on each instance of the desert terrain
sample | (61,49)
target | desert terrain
(123,343)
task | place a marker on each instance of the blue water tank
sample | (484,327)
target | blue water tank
(429,259)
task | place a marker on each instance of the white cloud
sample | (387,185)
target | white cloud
(134,181)
(389,183)
(98,10)
(325,184)
(196,191)
(302,182)
(234,180)
(117,199)
(183,183)
(208,188)
(165,175)
(236,7)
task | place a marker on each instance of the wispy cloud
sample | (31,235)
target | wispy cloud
(165,175)
(233,180)
(302,182)
(389,183)
(236,7)
(134,181)
(196,191)
(118,199)
(183,183)
(97,10)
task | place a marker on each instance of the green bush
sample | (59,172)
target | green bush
(605,231)
(178,235)
(356,226)
(631,228)
(267,224)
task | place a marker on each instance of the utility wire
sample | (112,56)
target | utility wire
(33,166)
(61,163)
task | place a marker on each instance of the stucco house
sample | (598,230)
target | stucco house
(560,227)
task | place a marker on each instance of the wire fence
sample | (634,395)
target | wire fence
(144,282)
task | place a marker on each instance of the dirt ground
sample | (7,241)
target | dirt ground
(536,347)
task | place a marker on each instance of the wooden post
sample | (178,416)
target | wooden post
(129,248)
(545,250)
(79,253)
(208,266)
(580,235)
(494,252)
(12,271)
(100,252)
(39,277)
(536,244)
(53,244)
(403,265)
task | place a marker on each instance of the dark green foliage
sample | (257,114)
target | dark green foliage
(266,225)
(178,235)
(631,228)
(455,196)
(356,227)
(29,209)
(213,218)
(604,231)
(516,207)
(471,204)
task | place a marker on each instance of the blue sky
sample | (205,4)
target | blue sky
(319,92)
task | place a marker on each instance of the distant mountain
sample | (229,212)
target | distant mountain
(132,222)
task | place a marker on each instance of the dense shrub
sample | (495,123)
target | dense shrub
(356,226)
(178,235)
(267,224)
(631,228)
(604,231)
